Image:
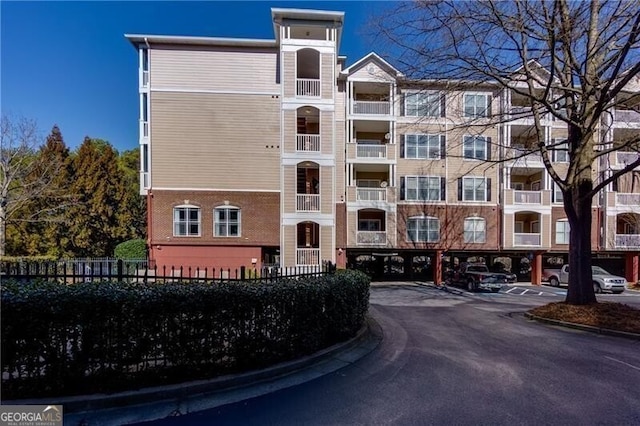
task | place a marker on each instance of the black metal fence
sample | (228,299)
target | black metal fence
(75,271)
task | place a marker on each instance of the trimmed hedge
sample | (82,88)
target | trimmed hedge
(105,337)
(131,249)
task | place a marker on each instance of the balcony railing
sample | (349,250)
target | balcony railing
(144,129)
(627,199)
(308,256)
(624,157)
(627,241)
(377,238)
(371,194)
(371,151)
(520,112)
(626,116)
(372,107)
(145,78)
(521,239)
(308,87)
(308,143)
(308,202)
(527,197)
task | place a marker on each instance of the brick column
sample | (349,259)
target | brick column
(437,268)
(536,269)
(631,267)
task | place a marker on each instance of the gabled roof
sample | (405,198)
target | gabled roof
(372,57)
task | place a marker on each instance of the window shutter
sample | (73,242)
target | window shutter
(401,146)
(443,105)
(488,189)
(489,99)
(488,148)
(402,188)
(443,189)
(443,146)
(459,189)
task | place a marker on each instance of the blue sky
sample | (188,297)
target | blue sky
(68,63)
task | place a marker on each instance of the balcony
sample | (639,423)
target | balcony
(526,240)
(308,202)
(308,143)
(307,256)
(527,197)
(631,241)
(627,199)
(371,194)
(372,107)
(365,150)
(373,238)
(308,87)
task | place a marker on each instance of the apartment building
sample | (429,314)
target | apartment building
(259,152)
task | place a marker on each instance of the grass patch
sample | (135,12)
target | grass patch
(609,315)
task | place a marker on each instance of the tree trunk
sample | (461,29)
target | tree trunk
(578,209)
(3,229)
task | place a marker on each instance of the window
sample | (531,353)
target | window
(475,189)
(369,225)
(226,222)
(475,147)
(186,221)
(474,230)
(423,229)
(476,105)
(424,188)
(560,151)
(557,194)
(562,232)
(422,146)
(422,104)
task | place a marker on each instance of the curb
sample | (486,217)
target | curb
(590,328)
(161,401)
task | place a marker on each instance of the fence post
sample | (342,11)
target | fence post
(243,270)
(119,270)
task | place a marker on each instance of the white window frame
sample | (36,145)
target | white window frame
(476,188)
(472,231)
(423,104)
(535,226)
(422,225)
(478,111)
(187,222)
(424,142)
(564,232)
(557,194)
(561,148)
(423,190)
(518,227)
(474,140)
(517,186)
(226,222)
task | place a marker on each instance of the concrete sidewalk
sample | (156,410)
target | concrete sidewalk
(160,402)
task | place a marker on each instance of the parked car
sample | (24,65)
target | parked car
(499,268)
(603,281)
(476,276)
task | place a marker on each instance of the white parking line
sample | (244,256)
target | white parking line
(624,363)
(511,289)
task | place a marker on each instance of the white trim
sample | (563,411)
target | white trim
(289,219)
(158,188)
(219,92)
(293,104)
(293,159)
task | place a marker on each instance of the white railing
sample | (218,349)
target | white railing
(144,129)
(627,199)
(145,78)
(372,107)
(308,143)
(144,180)
(521,112)
(308,256)
(521,239)
(372,237)
(371,151)
(627,240)
(625,157)
(527,197)
(308,202)
(626,116)
(308,87)
(371,194)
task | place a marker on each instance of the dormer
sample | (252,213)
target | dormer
(308,27)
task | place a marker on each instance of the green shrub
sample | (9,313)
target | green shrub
(106,337)
(132,249)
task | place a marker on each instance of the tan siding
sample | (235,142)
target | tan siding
(507,227)
(611,232)
(216,141)
(340,163)
(326,190)
(392,229)
(545,230)
(327,250)
(289,130)
(326,74)
(289,74)
(208,69)
(288,252)
(289,189)
(377,75)
(326,132)
(352,228)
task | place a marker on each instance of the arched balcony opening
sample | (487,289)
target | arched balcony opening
(308,129)
(372,227)
(308,73)
(307,243)
(627,231)
(526,229)
(308,187)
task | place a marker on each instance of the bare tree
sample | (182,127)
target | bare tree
(576,62)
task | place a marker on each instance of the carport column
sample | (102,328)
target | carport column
(536,268)
(437,268)
(631,267)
